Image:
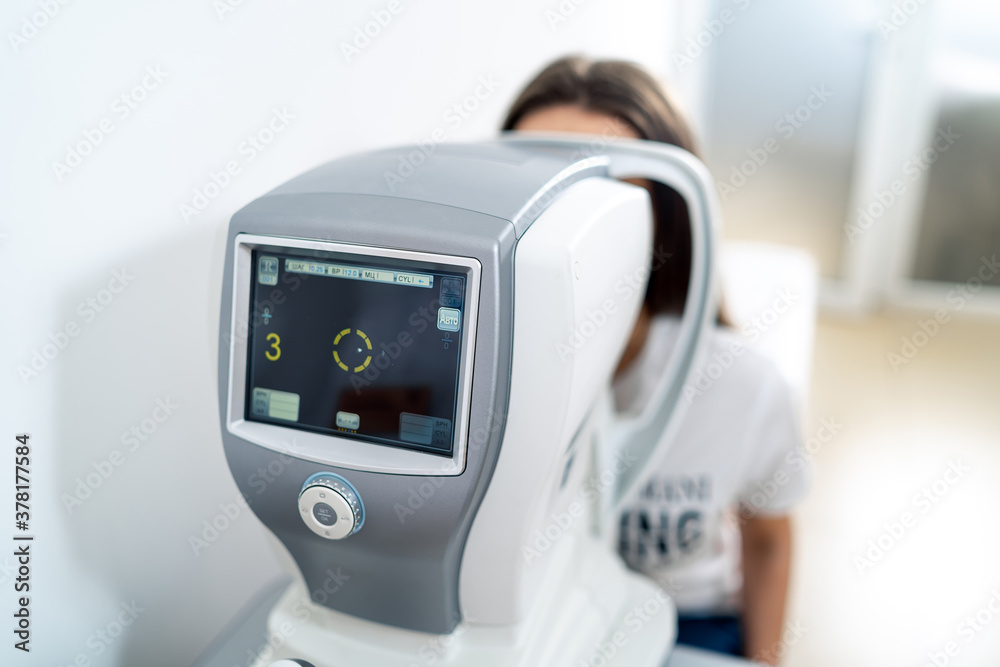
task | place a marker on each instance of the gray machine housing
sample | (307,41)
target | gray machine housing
(467,200)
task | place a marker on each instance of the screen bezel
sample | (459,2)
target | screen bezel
(328,449)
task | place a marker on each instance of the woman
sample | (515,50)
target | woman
(712,525)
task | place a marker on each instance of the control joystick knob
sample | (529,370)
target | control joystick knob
(330,506)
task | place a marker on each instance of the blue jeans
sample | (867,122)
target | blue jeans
(722,634)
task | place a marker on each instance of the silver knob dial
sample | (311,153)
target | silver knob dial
(330,506)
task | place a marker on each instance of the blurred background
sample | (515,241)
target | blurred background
(864,133)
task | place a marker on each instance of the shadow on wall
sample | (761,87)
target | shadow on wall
(150,504)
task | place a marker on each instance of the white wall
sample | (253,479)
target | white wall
(61,239)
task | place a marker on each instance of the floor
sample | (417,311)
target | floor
(897,557)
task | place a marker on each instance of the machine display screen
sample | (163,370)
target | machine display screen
(355,346)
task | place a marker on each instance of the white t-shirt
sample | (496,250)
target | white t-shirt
(738,444)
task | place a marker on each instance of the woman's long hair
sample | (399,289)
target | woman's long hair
(625,92)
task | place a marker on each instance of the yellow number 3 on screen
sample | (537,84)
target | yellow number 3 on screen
(275,342)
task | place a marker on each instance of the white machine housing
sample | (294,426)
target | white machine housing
(529,575)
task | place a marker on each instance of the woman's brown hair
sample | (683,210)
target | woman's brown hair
(624,91)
